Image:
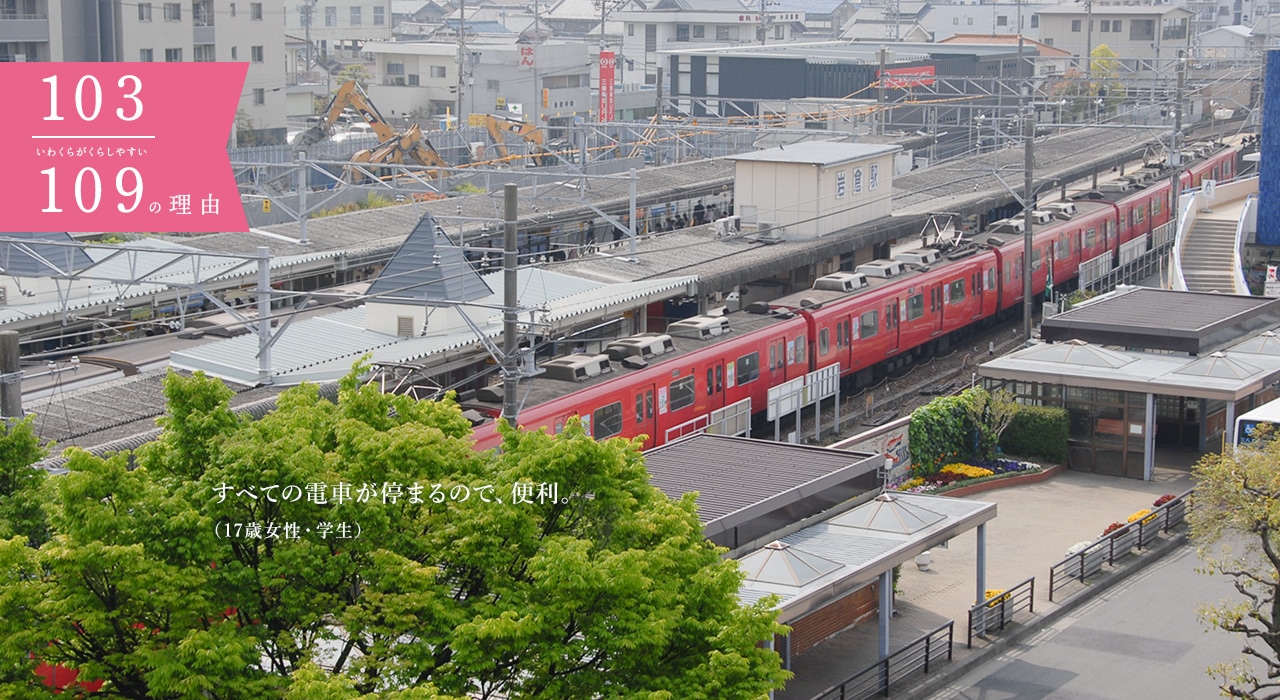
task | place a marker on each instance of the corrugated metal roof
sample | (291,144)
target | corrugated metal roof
(29,258)
(324,348)
(732,474)
(317,341)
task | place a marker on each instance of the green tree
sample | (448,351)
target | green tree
(1236,526)
(20,513)
(357,72)
(152,582)
(990,414)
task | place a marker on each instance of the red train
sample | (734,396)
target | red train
(885,314)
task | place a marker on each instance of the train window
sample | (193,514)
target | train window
(683,393)
(719,377)
(648,403)
(747,368)
(1141,211)
(1090,237)
(1035,259)
(639,408)
(957,291)
(711,385)
(1060,250)
(824,341)
(802,351)
(607,421)
(1157,205)
(773,357)
(914,307)
(1008,275)
(991,278)
(870,323)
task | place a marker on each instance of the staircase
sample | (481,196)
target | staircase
(1208,256)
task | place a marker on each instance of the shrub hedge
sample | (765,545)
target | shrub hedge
(1039,434)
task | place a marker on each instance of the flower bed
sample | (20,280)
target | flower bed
(960,474)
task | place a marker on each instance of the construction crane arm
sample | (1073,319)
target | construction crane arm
(349,95)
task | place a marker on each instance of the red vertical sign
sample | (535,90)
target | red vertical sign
(607,62)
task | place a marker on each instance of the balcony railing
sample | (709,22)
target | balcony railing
(6,14)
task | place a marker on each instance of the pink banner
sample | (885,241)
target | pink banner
(607,63)
(121,147)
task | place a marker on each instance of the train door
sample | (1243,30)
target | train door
(975,286)
(892,318)
(935,309)
(844,345)
(777,360)
(715,386)
(644,415)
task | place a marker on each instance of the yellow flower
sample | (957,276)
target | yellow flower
(1139,515)
(967,470)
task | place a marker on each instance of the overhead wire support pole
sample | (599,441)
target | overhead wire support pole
(510,300)
(264,315)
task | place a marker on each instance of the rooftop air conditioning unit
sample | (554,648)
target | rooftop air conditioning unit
(841,282)
(699,327)
(577,367)
(922,256)
(882,269)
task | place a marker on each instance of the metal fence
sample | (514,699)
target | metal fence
(998,610)
(1149,264)
(1117,544)
(879,677)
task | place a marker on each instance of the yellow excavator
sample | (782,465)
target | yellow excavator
(407,147)
(543,153)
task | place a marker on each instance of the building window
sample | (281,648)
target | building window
(1035,21)
(699,31)
(204,53)
(1106,26)
(413,79)
(233,53)
(1002,21)
(439,72)
(682,32)
(1075,25)
(172,12)
(233,9)
(144,12)
(146,55)
(1115,25)
(779,32)
(259,96)
(173,55)
(356,19)
(493,85)
(955,20)
(631,29)
(255,11)
(379,16)
(969,21)
(331,16)
(395,69)
(1140,29)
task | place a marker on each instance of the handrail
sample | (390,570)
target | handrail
(877,678)
(1185,222)
(998,610)
(1089,561)
(1237,265)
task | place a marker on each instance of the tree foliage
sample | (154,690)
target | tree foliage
(20,513)
(990,414)
(1236,526)
(608,589)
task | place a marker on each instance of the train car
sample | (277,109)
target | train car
(879,316)
(660,384)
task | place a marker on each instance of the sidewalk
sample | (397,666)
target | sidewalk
(1034,527)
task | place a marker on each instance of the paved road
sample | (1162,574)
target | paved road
(1140,640)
